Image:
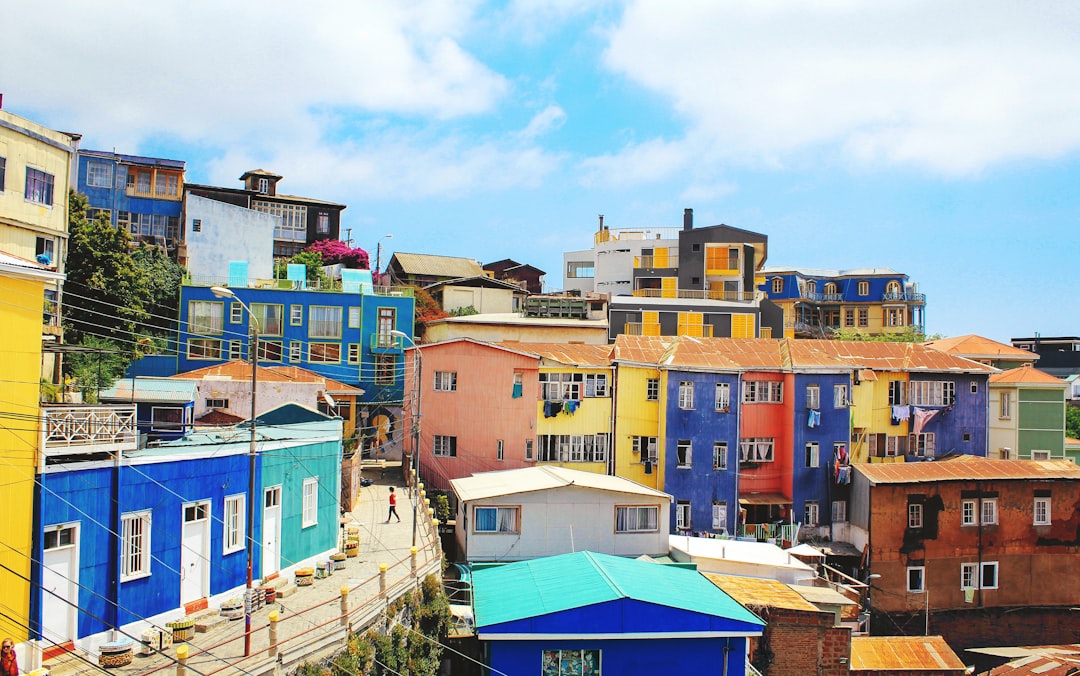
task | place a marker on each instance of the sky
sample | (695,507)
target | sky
(941,140)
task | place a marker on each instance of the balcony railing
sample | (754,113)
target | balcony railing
(822,297)
(88,429)
(649,262)
(904,297)
(699,294)
(386,341)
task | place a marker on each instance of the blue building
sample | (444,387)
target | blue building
(619,616)
(131,542)
(142,195)
(164,408)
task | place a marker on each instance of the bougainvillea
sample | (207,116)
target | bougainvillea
(335,251)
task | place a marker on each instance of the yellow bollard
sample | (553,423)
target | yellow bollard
(412,553)
(181,659)
(382,578)
(345,606)
(274,617)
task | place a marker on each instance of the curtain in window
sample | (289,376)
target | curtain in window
(507,520)
(486,519)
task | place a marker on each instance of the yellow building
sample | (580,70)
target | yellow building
(639,388)
(22,288)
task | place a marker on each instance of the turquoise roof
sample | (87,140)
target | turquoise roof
(157,390)
(525,589)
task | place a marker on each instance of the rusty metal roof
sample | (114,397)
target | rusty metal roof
(761,592)
(574,354)
(967,468)
(882,356)
(903,653)
(641,349)
(451,267)
(1040,665)
(972,346)
(241,370)
(1028,375)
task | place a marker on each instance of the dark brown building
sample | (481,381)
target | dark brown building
(509,270)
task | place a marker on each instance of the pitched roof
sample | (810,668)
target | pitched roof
(756,591)
(967,468)
(751,353)
(762,553)
(903,653)
(824,272)
(437,266)
(538,587)
(1028,375)
(238,369)
(475,281)
(640,349)
(972,346)
(151,390)
(485,485)
(574,354)
(885,356)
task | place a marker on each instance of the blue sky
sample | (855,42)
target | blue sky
(938,139)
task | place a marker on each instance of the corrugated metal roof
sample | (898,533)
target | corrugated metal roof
(735,550)
(882,356)
(485,485)
(903,653)
(641,349)
(1061,664)
(972,346)
(571,355)
(756,591)
(241,370)
(967,468)
(822,595)
(437,266)
(151,390)
(552,584)
(1028,375)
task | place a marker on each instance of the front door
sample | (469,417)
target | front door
(194,553)
(59,583)
(271,554)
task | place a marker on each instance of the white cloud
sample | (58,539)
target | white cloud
(953,88)
(546,120)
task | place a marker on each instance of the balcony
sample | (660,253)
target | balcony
(385,342)
(815,297)
(652,262)
(88,429)
(904,297)
(699,294)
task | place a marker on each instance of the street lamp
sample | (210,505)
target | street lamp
(378,251)
(869,609)
(417,370)
(253,350)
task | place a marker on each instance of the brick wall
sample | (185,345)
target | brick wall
(801,644)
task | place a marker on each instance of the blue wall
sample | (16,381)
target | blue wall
(847,287)
(835,426)
(703,425)
(968,415)
(117,199)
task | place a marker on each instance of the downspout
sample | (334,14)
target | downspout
(611,421)
(114,564)
(737,396)
(727,649)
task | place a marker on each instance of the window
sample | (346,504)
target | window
(989,511)
(296,315)
(167,418)
(354,318)
(719,515)
(830,289)
(385,323)
(916,579)
(134,545)
(196,224)
(236,350)
(444,446)
(849,316)
(812,454)
(560,386)
(864,288)
(385,369)
(296,351)
(894,316)
(571,662)
(217,403)
(723,397)
(973,578)
(322,223)
(974,387)
(756,449)
(763,391)
(167,185)
(1040,455)
(580,270)
(967,513)
(864,317)
(1042,511)
(499,449)
(234,523)
(528,449)
(495,519)
(270,350)
(636,519)
(811,286)
(914,516)
(3,172)
(445,381)
(354,353)
(324,321)
(293,224)
(652,389)
(311,502)
(596,385)
(839,396)
(839,511)
(99,174)
(646,446)
(1005,411)
(324,353)
(39,187)
(682,515)
(205,317)
(932,393)
(896,393)
(719,455)
(778,285)
(58,537)
(270,318)
(686,394)
(921,444)
(684,453)
(45,250)
(810,513)
(813,397)
(204,348)
(573,447)
(264,186)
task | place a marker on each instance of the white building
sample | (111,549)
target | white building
(735,557)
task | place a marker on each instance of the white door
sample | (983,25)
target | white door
(271,532)
(194,553)
(59,583)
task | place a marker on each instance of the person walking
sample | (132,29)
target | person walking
(9,664)
(393,507)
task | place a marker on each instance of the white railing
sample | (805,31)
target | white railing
(89,429)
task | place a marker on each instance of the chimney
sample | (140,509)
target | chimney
(601,222)
(688,219)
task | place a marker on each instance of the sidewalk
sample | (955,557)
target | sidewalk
(310,617)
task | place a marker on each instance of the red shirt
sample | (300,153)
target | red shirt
(393,499)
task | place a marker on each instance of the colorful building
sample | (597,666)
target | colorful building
(817,303)
(1027,415)
(639,414)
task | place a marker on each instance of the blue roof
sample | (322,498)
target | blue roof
(527,589)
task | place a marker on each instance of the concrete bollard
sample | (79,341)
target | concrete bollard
(181,659)
(274,617)
(345,605)
(412,553)
(382,578)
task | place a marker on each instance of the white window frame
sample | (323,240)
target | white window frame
(1039,454)
(683,512)
(719,455)
(236,314)
(596,385)
(813,397)
(637,518)
(811,513)
(968,517)
(839,511)
(206,317)
(840,395)
(684,454)
(864,288)
(444,446)
(973,573)
(912,589)
(931,393)
(136,530)
(310,513)
(646,446)
(1041,511)
(719,515)
(296,351)
(204,349)
(324,322)
(923,444)
(686,395)
(757,449)
(652,389)
(763,392)
(723,397)
(812,456)
(236,350)
(354,353)
(1005,406)
(234,524)
(445,381)
(914,515)
(989,511)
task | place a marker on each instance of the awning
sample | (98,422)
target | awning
(764,499)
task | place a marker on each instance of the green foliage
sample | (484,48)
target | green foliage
(163,276)
(50,392)
(464,311)
(311,260)
(1072,422)
(94,371)
(442,507)
(908,335)
(426,309)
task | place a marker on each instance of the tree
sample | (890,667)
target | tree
(1072,422)
(334,251)
(426,310)
(909,335)
(311,260)
(91,372)
(164,277)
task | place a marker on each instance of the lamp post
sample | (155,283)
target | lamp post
(417,370)
(253,350)
(378,251)
(869,608)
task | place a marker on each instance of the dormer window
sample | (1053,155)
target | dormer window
(864,288)
(264,186)
(811,286)
(830,289)
(778,285)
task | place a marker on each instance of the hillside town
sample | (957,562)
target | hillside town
(687,459)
